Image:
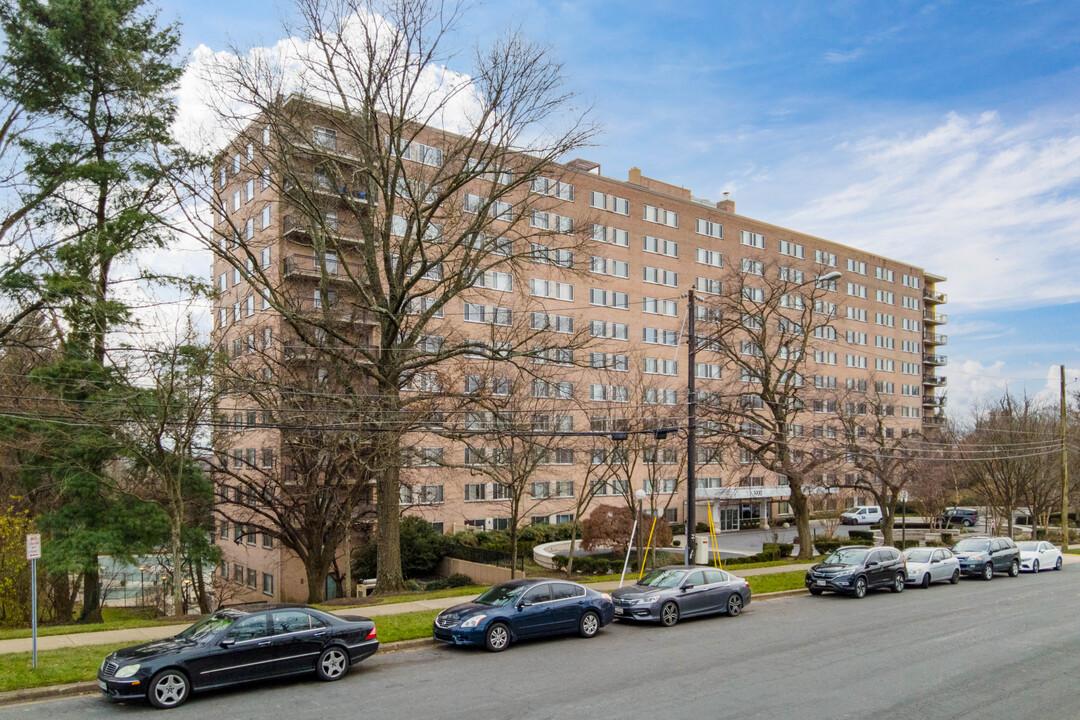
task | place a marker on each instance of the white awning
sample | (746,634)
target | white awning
(744,493)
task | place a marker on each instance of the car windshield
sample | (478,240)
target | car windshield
(1028,546)
(847,556)
(972,546)
(207,626)
(851,511)
(663,578)
(500,595)
(918,556)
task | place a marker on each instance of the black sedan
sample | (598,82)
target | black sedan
(236,645)
(669,593)
(522,609)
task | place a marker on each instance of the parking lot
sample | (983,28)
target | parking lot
(1000,649)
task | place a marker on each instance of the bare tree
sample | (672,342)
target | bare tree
(408,191)
(759,328)
(882,457)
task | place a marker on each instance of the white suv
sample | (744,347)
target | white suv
(861,515)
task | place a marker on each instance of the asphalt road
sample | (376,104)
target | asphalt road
(1003,649)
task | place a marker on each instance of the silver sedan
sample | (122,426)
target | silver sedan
(927,565)
(670,593)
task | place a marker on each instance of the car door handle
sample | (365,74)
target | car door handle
(264,643)
(321,633)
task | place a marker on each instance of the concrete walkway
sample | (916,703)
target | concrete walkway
(135,636)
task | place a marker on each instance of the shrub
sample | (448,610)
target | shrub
(455,580)
(824,546)
(948,538)
(862,534)
(702,527)
(560,561)
(749,524)
(676,543)
(905,544)
(786,549)
(678,528)
(412,586)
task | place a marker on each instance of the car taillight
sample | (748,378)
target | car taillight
(371,635)
(606,596)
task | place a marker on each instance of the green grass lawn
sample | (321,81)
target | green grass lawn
(409,597)
(775,582)
(406,626)
(115,619)
(55,667)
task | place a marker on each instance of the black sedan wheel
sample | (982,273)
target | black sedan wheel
(497,637)
(590,624)
(1014,569)
(669,614)
(168,689)
(988,572)
(734,605)
(333,664)
(815,591)
(860,588)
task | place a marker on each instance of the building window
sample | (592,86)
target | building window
(712,229)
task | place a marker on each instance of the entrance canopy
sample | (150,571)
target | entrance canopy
(744,493)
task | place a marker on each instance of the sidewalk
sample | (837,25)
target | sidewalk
(141,635)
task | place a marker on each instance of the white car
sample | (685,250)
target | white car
(861,515)
(1036,555)
(926,565)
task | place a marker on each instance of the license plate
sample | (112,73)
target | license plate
(820,582)
(618,611)
(101,684)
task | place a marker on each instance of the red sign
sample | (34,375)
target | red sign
(33,547)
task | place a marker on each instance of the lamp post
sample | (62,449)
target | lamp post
(142,585)
(640,495)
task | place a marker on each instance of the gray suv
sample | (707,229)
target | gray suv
(855,569)
(984,556)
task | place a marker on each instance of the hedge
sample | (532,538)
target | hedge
(867,535)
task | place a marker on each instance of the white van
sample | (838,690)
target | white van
(861,515)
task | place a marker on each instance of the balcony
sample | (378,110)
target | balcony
(299,228)
(335,308)
(934,338)
(314,267)
(933,318)
(933,380)
(933,420)
(937,401)
(360,353)
(934,298)
(932,359)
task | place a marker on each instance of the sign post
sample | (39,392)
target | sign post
(33,552)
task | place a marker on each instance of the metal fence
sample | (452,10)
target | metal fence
(485,556)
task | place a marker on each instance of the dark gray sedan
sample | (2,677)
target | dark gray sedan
(677,591)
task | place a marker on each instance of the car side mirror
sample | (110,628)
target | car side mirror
(688,587)
(227,642)
(935,561)
(872,563)
(524,604)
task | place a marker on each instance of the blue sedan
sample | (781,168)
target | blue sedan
(523,609)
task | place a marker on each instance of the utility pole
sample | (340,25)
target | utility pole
(691,437)
(1064,471)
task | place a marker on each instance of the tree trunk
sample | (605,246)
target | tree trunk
(177,562)
(513,550)
(388,576)
(570,557)
(316,571)
(63,603)
(91,609)
(800,507)
(200,588)
(888,522)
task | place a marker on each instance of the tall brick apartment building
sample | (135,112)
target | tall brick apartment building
(640,244)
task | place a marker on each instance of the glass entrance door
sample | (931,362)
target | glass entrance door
(729,518)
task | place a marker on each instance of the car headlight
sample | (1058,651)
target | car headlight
(473,621)
(651,599)
(127,671)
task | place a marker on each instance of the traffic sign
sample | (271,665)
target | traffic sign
(33,547)
(903,496)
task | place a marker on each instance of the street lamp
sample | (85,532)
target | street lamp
(142,585)
(640,495)
(691,414)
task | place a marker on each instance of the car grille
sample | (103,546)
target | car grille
(624,603)
(109,668)
(445,622)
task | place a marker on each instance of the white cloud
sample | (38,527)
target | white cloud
(843,57)
(993,207)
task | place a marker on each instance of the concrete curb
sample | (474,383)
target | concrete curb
(778,594)
(47,692)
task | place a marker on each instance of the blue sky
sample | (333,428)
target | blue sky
(945,134)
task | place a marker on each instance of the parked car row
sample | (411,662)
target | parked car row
(856,569)
(261,641)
